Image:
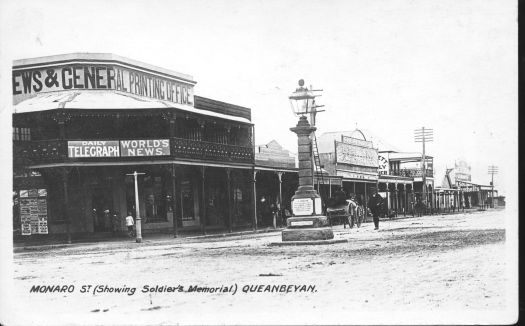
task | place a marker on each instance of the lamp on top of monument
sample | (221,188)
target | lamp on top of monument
(302,100)
(307,222)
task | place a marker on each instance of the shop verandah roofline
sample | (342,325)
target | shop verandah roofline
(127,163)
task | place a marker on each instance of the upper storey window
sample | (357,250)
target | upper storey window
(21,133)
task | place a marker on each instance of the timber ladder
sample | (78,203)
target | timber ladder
(318,170)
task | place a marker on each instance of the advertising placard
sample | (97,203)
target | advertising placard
(115,148)
(355,155)
(145,147)
(33,211)
(384,166)
(98,148)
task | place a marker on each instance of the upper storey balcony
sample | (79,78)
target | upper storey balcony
(43,152)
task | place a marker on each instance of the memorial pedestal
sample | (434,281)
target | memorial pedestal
(307,222)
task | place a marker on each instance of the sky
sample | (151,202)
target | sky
(386,66)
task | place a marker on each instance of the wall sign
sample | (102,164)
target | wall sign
(115,148)
(101,77)
(33,211)
(355,141)
(355,155)
(384,166)
(148,147)
(353,175)
(302,206)
(102,148)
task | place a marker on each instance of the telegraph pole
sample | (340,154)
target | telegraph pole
(137,210)
(493,169)
(424,135)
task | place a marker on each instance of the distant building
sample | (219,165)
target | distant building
(461,171)
(458,190)
(274,155)
(276,181)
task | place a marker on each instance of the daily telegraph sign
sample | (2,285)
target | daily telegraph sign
(103,148)
(27,82)
(114,148)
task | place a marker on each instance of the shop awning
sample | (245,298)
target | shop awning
(105,100)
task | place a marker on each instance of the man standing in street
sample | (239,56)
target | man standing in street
(375,203)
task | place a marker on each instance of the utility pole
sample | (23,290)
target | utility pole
(493,169)
(424,135)
(137,210)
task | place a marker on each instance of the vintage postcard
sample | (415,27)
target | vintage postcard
(259,162)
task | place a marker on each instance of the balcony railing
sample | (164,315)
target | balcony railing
(192,149)
(44,151)
(56,151)
(412,173)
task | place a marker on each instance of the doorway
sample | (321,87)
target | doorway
(102,206)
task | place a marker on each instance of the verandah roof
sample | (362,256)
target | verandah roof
(104,100)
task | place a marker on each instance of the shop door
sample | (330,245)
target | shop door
(102,206)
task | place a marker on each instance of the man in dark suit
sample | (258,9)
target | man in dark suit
(375,203)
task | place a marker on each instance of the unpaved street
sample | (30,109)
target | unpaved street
(434,263)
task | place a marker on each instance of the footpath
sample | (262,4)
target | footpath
(147,239)
(43,244)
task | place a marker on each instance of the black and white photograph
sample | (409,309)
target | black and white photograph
(250,162)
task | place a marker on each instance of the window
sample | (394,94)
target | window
(21,134)
(155,192)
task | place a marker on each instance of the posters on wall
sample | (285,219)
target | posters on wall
(33,211)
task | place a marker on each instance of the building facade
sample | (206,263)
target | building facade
(401,180)
(84,122)
(350,162)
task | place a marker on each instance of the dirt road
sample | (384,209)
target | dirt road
(412,270)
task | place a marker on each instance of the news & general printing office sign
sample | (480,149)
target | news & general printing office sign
(115,148)
(100,77)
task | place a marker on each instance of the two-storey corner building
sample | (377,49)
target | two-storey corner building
(84,122)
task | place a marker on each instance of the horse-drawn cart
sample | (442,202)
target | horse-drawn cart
(347,212)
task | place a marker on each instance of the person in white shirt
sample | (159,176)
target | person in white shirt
(129,223)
